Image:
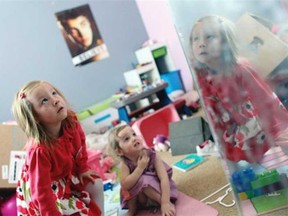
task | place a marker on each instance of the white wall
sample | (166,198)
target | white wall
(160,27)
(32,48)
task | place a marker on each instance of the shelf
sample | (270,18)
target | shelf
(136,113)
(133,98)
(145,68)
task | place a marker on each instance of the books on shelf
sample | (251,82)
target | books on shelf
(189,162)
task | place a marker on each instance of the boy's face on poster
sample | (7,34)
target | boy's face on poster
(207,42)
(81,31)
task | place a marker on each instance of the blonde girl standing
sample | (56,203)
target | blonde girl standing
(245,114)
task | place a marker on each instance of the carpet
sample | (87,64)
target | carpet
(202,181)
(184,206)
(199,183)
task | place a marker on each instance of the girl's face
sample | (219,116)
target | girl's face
(207,43)
(130,144)
(50,108)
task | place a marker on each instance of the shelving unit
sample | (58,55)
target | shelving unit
(133,77)
(156,60)
(159,59)
(159,55)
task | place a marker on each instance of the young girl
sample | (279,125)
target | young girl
(245,114)
(145,178)
(55,172)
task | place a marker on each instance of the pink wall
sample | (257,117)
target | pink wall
(160,27)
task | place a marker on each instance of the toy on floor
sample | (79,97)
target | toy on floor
(9,207)
(267,191)
(102,165)
(108,185)
(161,143)
(207,148)
(97,141)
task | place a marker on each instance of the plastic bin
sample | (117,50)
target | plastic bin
(159,120)
(174,80)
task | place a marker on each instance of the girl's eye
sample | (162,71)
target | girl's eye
(44,101)
(210,36)
(54,93)
(134,134)
(126,139)
(195,39)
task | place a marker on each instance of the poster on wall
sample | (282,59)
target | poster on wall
(82,35)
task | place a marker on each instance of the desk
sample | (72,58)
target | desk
(159,90)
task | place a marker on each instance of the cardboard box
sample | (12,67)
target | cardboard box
(12,138)
(185,135)
(259,45)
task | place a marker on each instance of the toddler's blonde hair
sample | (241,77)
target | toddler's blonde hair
(113,140)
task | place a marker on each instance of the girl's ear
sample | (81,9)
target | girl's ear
(119,152)
(36,118)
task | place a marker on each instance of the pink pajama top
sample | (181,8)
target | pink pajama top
(244,112)
(67,158)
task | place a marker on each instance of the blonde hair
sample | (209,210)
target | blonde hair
(227,32)
(24,114)
(113,139)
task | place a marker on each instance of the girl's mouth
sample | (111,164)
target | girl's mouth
(59,110)
(203,53)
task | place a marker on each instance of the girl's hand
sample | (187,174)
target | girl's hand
(90,175)
(143,160)
(168,209)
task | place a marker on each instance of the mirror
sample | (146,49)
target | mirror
(238,56)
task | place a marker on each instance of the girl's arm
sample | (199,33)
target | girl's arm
(81,155)
(40,182)
(128,180)
(165,186)
(164,180)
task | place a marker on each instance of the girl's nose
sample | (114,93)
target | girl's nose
(202,43)
(56,101)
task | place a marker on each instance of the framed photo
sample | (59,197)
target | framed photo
(82,35)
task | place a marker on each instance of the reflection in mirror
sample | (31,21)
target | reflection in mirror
(239,62)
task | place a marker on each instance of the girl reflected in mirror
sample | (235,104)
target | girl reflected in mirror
(246,116)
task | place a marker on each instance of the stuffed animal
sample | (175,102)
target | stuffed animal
(161,143)
(96,161)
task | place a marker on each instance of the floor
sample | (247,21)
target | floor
(207,182)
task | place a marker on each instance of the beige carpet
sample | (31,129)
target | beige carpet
(204,180)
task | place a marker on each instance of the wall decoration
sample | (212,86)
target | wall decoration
(82,35)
